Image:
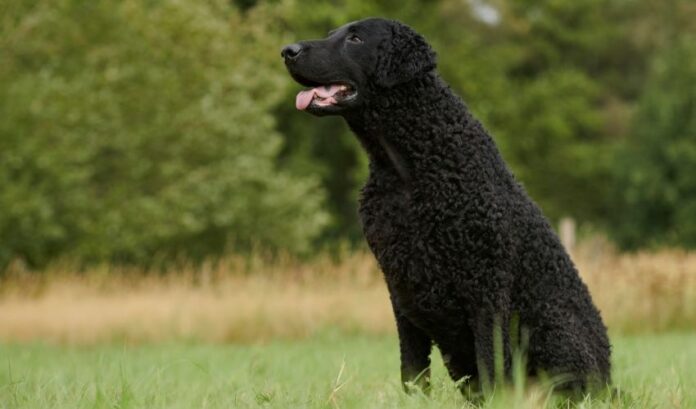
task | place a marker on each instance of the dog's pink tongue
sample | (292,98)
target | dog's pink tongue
(304,98)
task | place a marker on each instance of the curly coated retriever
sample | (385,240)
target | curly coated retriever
(467,256)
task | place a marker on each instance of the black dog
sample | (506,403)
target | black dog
(465,252)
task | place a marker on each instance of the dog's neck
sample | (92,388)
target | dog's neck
(405,126)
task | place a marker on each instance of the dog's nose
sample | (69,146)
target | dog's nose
(290,52)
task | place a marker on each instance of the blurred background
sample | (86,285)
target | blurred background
(156,181)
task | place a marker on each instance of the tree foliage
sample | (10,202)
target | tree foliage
(134,129)
(656,187)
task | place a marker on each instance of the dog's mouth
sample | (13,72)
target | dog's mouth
(325,95)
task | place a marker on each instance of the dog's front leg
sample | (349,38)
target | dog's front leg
(415,346)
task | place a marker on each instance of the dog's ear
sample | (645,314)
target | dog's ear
(403,57)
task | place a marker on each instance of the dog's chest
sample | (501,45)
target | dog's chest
(387,225)
(394,219)
(390,227)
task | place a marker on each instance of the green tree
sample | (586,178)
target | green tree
(140,129)
(567,80)
(656,200)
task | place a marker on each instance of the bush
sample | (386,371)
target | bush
(140,129)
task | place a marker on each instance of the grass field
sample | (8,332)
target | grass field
(331,370)
(255,332)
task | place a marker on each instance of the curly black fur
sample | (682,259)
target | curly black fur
(465,252)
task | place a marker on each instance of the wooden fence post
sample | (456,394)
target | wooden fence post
(566,231)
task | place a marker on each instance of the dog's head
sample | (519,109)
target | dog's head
(341,70)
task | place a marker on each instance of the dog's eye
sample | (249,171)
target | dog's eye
(353,38)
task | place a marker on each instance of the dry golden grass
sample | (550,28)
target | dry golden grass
(248,299)
(640,292)
(238,299)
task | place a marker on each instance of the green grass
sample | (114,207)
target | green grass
(328,371)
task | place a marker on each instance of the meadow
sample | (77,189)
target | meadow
(329,370)
(254,331)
